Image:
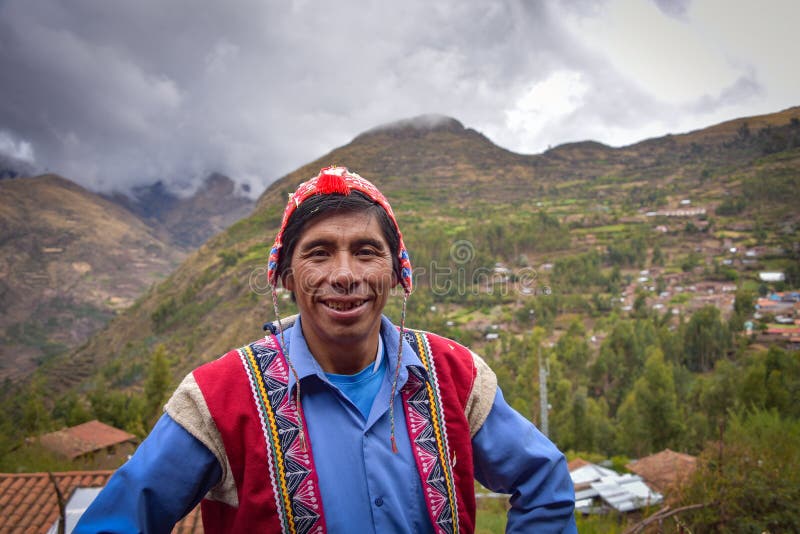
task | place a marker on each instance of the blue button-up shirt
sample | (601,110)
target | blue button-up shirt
(362,482)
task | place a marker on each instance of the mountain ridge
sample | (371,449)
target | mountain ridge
(60,245)
(440,181)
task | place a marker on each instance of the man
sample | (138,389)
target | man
(339,421)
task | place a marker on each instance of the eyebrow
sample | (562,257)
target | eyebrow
(323,242)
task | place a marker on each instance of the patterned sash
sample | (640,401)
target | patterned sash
(291,467)
(428,432)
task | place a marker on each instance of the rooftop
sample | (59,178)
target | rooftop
(583,473)
(28,501)
(664,469)
(82,439)
(597,488)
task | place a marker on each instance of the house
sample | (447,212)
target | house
(107,445)
(780,332)
(664,470)
(773,306)
(29,503)
(771,276)
(684,212)
(599,489)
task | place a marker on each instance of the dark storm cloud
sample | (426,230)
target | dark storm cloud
(114,94)
(124,93)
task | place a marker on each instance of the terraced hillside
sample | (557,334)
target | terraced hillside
(518,214)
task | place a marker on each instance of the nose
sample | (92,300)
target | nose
(344,275)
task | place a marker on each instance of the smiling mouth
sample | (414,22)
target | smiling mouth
(344,306)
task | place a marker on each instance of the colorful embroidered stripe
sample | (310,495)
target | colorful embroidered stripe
(271,433)
(437,419)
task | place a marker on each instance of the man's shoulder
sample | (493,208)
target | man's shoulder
(284,324)
(441,344)
(233,356)
(450,357)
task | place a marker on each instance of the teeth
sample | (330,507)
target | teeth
(341,306)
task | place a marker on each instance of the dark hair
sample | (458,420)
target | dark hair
(318,205)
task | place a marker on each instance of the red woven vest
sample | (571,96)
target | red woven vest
(228,385)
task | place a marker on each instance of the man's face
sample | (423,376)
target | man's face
(341,274)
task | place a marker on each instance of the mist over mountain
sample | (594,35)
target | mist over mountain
(189,220)
(11,167)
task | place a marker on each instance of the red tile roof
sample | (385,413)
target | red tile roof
(665,469)
(576,463)
(84,438)
(28,502)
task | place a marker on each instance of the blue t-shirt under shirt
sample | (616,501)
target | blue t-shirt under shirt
(362,387)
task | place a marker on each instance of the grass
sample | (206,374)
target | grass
(491,519)
(608,229)
(35,458)
(681,298)
(491,516)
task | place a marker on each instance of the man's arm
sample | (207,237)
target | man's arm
(168,475)
(512,456)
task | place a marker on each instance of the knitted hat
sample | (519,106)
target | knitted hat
(331,181)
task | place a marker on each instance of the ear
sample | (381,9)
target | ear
(288,280)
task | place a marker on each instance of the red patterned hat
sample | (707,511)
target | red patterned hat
(329,181)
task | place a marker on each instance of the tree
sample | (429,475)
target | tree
(35,415)
(658,255)
(742,309)
(749,481)
(572,347)
(156,385)
(71,410)
(780,369)
(583,424)
(649,418)
(119,409)
(705,340)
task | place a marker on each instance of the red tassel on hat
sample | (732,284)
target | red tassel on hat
(329,183)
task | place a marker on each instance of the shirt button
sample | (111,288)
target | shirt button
(379,501)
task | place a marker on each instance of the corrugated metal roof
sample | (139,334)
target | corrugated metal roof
(626,492)
(589,473)
(597,487)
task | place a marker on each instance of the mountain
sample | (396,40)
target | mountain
(450,184)
(189,221)
(69,260)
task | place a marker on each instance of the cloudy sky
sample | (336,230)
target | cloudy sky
(113,93)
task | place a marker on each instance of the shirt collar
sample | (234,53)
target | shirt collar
(306,365)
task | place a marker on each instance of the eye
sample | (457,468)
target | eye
(367,251)
(316,253)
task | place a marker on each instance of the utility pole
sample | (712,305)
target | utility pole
(543,405)
(62,513)
(543,372)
